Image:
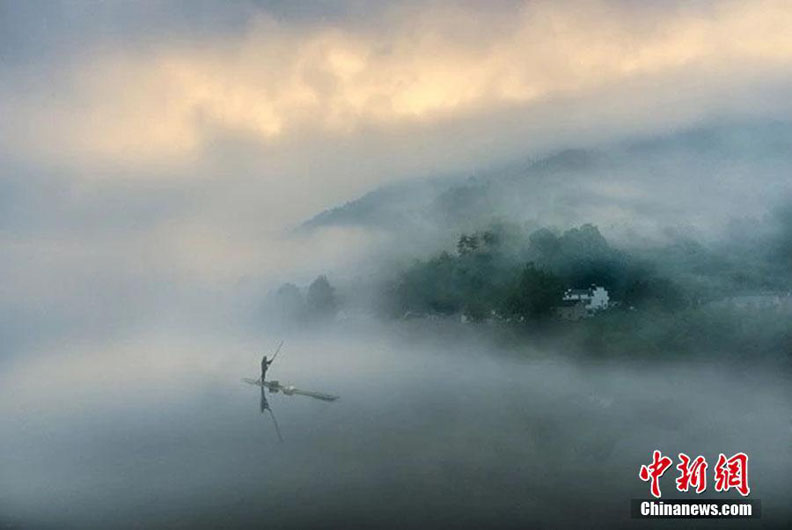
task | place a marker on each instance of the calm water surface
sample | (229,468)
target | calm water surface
(161,432)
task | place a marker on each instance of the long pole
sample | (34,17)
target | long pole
(277,351)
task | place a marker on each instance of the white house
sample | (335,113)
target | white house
(594,298)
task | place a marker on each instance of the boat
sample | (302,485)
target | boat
(289,390)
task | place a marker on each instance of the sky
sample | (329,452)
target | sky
(153,149)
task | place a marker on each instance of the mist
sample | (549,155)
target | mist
(402,194)
(430,429)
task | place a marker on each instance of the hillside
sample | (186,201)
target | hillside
(632,191)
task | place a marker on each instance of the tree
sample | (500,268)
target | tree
(544,244)
(429,287)
(486,242)
(321,299)
(656,292)
(535,294)
(467,244)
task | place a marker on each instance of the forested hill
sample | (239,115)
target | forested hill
(641,188)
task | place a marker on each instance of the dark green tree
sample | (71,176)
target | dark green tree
(535,294)
(321,300)
(467,244)
(544,245)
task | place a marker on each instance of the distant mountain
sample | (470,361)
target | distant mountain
(443,200)
(385,207)
(693,179)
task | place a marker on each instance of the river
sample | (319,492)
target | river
(431,429)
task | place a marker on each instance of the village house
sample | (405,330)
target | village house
(594,298)
(582,303)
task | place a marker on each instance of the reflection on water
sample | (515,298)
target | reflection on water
(274,387)
(160,432)
(265,407)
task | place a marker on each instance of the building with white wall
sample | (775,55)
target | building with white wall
(594,298)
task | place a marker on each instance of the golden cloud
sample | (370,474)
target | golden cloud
(429,65)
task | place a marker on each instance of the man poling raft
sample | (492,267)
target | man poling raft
(265,364)
(275,386)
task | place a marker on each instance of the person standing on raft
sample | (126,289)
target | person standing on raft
(264,365)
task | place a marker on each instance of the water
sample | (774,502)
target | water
(430,430)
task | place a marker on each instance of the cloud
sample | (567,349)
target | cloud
(139,151)
(274,83)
